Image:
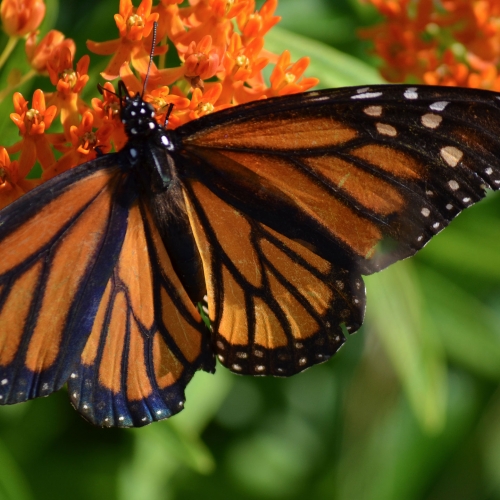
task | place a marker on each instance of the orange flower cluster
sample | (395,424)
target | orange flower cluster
(220,44)
(451,42)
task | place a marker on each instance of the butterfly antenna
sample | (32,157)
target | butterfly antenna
(151,55)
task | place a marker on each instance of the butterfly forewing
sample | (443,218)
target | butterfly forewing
(366,174)
(50,276)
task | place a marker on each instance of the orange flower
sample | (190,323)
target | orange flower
(203,103)
(84,145)
(20,17)
(257,24)
(12,185)
(69,83)
(39,53)
(243,64)
(134,25)
(286,78)
(32,124)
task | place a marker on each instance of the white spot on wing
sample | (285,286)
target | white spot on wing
(411,93)
(430,120)
(489,171)
(363,90)
(373,110)
(425,212)
(454,185)
(385,129)
(4,381)
(451,155)
(439,106)
(368,95)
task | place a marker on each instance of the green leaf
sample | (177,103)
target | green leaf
(13,485)
(396,311)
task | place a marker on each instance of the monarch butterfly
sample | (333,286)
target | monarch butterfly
(272,209)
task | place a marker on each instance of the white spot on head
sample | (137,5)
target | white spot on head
(4,381)
(489,171)
(302,361)
(385,129)
(133,113)
(454,185)
(133,153)
(449,206)
(368,95)
(451,155)
(133,131)
(435,225)
(151,125)
(430,120)
(135,103)
(260,368)
(425,212)
(411,93)
(142,111)
(373,110)
(236,368)
(439,106)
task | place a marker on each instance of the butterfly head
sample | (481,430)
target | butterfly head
(138,117)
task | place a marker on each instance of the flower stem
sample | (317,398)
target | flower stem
(5,92)
(11,43)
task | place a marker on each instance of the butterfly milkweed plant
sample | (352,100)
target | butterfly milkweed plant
(220,48)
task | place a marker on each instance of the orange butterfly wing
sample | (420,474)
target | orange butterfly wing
(292,199)
(147,339)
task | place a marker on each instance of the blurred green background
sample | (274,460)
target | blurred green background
(409,408)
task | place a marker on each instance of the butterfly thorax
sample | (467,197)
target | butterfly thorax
(148,144)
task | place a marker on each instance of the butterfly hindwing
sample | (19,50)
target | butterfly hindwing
(147,340)
(51,275)
(273,303)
